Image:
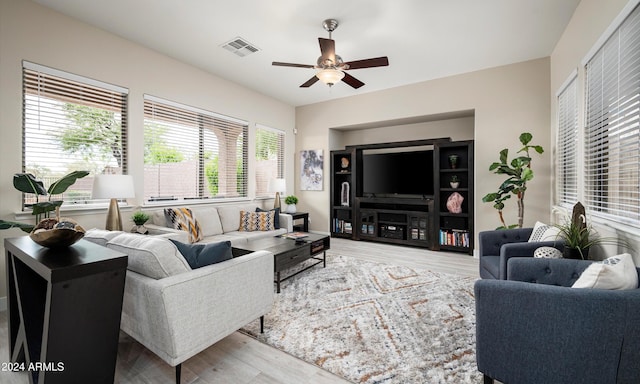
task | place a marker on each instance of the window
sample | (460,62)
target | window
(269,158)
(612,140)
(72,123)
(567,138)
(191,153)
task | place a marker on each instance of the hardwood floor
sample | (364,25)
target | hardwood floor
(240,359)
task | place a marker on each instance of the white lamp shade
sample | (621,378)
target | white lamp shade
(113,187)
(277,185)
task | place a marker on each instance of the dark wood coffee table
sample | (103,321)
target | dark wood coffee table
(288,252)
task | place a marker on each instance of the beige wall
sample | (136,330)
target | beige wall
(34,33)
(588,25)
(506,101)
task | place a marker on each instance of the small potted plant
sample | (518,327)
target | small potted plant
(291,202)
(454,182)
(453,161)
(139,218)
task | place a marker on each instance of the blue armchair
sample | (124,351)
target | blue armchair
(497,247)
(534,328)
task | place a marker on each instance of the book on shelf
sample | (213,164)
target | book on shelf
(342,226)
(295,235)
(454,237)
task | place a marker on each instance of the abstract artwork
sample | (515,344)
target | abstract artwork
(311,168)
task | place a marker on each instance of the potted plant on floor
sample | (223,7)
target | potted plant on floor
(291,202)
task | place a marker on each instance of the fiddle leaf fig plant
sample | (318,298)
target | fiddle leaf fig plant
(27,183)
(518,172)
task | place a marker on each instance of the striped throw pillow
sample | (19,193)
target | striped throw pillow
(183,219)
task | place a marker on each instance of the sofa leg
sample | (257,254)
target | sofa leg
(178,371)
(261,324)
(487,379)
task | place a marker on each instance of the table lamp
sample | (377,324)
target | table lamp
(113,187)
(277,186)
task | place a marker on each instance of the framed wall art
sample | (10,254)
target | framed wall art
(311,170)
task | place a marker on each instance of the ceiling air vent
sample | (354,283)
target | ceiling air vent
(240,47)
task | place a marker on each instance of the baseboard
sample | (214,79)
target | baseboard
(3,304)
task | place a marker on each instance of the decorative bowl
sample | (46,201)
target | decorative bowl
(51,233)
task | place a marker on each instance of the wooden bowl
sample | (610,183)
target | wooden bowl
(53,234)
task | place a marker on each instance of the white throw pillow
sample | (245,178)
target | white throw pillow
(616,272)
(547,253)
(543,232)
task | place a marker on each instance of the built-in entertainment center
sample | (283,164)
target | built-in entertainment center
(417,193)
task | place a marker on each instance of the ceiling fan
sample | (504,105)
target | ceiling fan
(332,68)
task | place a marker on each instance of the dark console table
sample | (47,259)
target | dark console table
(64,308)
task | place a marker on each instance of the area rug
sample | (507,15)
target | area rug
(377,323)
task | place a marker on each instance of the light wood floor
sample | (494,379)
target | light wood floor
(239,359)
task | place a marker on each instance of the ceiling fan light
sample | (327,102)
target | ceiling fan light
(330,76)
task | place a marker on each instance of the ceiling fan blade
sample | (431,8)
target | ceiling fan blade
(369,63)
(309,82)
(328,49)
(352,81)
(292,65)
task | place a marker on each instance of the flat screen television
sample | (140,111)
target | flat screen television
(398,174)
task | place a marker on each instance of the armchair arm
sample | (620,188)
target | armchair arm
(535,333)
(522,249)
(286,221)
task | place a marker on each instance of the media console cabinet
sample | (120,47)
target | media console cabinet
(417,220)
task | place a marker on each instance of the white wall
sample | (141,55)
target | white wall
(34,33)
(506,101)
(589,22)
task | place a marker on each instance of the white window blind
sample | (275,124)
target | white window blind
(269,158)
(567,145)
(72,123)
(191,153)
(612,140)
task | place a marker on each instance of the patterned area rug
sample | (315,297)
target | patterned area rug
(377,323)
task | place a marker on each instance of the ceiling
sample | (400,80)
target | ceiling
(423,39)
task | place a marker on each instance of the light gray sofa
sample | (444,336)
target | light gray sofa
(219,223)
(177,312)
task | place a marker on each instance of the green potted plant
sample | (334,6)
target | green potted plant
(453,161)
(518,172)
(139,218)
(291,202)
(579,236)
(454,181)
(27,183)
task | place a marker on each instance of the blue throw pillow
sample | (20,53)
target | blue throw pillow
(200,255)
(276,219)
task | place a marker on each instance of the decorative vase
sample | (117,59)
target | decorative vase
(574,253)
(141,229)
(453,161)
(291,208)
(454,184)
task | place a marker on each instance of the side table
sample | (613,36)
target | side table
(304,216)
(64,308)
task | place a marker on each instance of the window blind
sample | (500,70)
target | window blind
(566,146)
(269,153)
(191,153)
(72,123)
(612,139)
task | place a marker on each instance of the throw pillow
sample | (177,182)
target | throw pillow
(182,218)
(543,232)
(201,255)
(617,272)
(256,221)
(547,253)
(276,216)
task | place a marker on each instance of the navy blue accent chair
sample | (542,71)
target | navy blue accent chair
(497,247)
(533,328)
